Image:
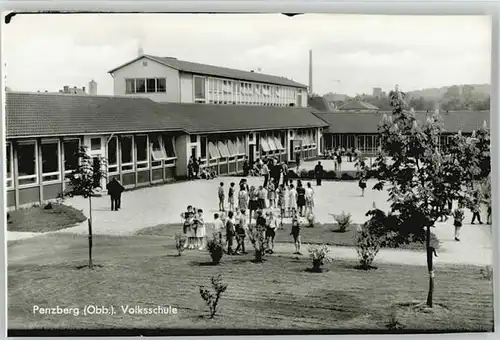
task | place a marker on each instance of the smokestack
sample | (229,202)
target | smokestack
(310,72)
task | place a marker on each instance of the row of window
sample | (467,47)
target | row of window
(234,92)
(222,149)
(139,151)
(146,85)
(28,158)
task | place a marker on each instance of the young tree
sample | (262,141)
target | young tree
(85,179)
(421,180)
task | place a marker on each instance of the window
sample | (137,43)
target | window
(213,150)
(113,155)
(8,163)
(71,154)
(283,137)
(231,145)
(50,161)
(140,85)
(161,84)
(169,147)
(278,143)
(193,138)
(211,85)
(127,151)
(241,146)
(141,144)
(203,142)
(157,151)
(95,143)
(151,85)
(27,163)
(129,85)
(223,149)
(264,145)
(270,142)
(199,88)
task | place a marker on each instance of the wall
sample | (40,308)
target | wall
(304,98)
(186,87)
(152,70)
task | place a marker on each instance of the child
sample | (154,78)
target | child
(243,198)
(200,230)
(230,233)
(186,225)
(292,199)
(261,198)
(309,195)
(188,230)
(221,196)
(241,232)
(253,203)
(362,185)
(296,232)
(281,200)
(218,226)
(230,197)
(271,194)
(271,227)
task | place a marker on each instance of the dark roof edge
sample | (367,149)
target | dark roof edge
(94,133)
(257,129)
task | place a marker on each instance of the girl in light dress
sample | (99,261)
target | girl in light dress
(292,199)
(309,194)
(271,194)
(200,230)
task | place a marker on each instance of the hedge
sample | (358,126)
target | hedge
(327,175)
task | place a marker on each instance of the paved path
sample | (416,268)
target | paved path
(152,206)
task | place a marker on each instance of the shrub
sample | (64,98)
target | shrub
(320,255)
(303,173)
(292,174)
(180,240)
(330,174)
(216,248)
(48,206)
(367,246)
(344,221)
(257,236)
(212,299)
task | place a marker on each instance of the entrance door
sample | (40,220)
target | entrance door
(96,150)
(292,151)
(193,152)
(251,156)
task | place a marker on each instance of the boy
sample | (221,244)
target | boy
(186,225)
(296,232)
(221,196)
(230,233)
(218,226)
(230,197)
(271,227)
(261,198)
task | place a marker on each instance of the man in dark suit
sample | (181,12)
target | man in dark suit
(318,173)
(115,189)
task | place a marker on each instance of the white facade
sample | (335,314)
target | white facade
(147,78)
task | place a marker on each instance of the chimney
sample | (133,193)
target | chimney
(83,88)
(310,72)
(92,88)
(65,88)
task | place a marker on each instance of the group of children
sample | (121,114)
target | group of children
(194,228)
(285,197)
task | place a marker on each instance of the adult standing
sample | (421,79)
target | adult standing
(246,167)
(265,172)
(115,189)
(339,160)
(190,168)
(284,170)
(276,172)
(196,168)
(297,160)
(318,173)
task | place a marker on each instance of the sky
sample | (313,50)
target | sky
(351,53)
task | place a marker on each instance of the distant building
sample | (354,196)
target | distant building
(377,92)
(93,88)
(72,90)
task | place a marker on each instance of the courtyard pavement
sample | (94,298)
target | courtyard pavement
(151,206)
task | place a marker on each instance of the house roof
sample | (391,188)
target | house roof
(223,72)
(358,105)
(41,114)
(359,122)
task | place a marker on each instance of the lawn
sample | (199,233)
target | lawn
(320,233)
(42,219)
(276,295)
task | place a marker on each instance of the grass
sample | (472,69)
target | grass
(37,219)
(320,233)
(276,295)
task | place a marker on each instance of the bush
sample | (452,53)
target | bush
(346,177)
(330,174)
(48,206)
(212,299)
(216,248)
(180,240)
(367,246)
(257,236)
(344,221)
(487,273)
(320,255)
